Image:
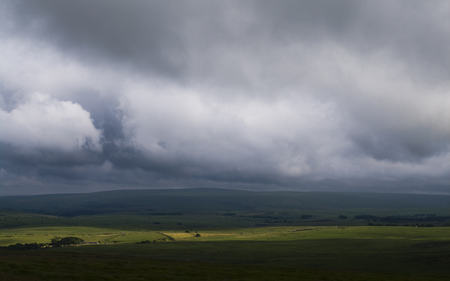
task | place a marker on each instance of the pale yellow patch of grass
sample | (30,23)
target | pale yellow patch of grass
(180,235)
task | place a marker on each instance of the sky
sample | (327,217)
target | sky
(257,95)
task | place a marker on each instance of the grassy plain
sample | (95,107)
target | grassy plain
(345,253)
(261,241)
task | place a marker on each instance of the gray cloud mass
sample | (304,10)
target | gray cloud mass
(261,95)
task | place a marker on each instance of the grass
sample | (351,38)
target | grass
(285,233)
(25,268)
(92,234)
(205,219)
(395,250)
(243,236)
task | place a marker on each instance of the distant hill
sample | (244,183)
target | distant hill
(201,199)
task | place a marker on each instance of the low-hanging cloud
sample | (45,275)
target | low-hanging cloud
(44,123)
(259,95)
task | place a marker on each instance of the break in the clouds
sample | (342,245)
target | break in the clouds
(269,95)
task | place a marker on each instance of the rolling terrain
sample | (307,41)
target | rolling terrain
(205,234)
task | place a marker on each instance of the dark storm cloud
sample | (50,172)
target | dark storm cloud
(140,33)
(317,95)
(413,30)
(104,112)
(48,157)
(152,34)
(407,146)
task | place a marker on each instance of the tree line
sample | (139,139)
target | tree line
(405,218)
(55,243)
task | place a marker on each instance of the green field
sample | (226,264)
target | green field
(256,241)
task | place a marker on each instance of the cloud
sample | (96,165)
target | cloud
(292,94)
(45,132)
(140,33)
(43,122)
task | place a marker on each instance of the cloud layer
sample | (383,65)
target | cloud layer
(302,95)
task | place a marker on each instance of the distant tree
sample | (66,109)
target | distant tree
(55,242)
(66,241)
(26,246)
(306,216)
(197,235)
(343,217)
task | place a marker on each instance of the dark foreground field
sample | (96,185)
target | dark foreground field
(228,235)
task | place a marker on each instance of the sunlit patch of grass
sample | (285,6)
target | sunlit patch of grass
(180,235)
(44,234)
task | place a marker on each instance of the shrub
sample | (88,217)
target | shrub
(143,242)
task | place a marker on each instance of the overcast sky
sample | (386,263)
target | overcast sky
(261,95)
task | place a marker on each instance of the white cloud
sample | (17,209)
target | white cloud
(36,66)
(43,122)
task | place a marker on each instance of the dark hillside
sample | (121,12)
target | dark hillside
(194,200)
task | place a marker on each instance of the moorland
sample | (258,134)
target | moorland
(214,234)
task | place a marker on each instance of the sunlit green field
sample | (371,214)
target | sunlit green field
(292,233)
(88,234)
